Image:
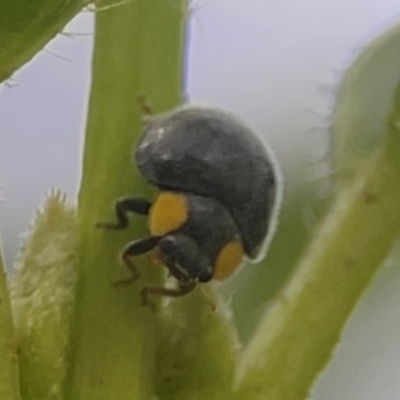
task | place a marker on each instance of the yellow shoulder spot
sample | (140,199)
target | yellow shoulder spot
(168,213)
(228,260)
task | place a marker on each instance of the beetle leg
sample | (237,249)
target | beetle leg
(122,207)
(136,248)
(183,288)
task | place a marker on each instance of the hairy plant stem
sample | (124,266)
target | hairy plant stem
(298,333)
(9,379)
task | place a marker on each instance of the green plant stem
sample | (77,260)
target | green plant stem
(138,52)
(27,25)
(9,379)
(296,337)
(198,351)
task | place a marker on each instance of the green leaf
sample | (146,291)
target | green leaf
(27,25)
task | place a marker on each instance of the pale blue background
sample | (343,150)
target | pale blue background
(277,64)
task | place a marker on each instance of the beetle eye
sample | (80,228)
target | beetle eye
(205,275)
(168,245)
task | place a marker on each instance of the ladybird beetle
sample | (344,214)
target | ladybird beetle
(218,200)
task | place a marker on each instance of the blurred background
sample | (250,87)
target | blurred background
(276,64)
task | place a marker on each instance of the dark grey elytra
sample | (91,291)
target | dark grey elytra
(211,153)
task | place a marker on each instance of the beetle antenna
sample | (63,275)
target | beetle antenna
(145,108)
